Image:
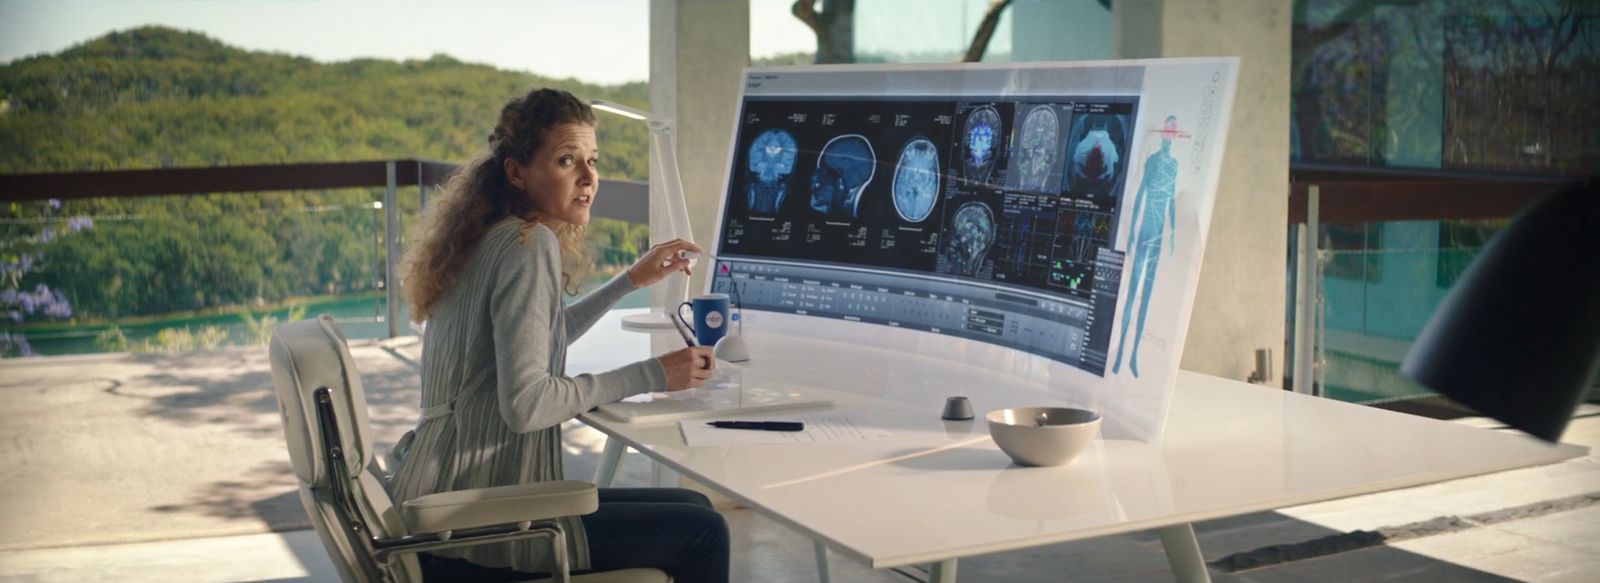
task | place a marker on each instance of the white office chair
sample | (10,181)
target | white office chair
(324,412)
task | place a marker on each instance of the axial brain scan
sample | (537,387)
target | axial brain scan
(844,168)
(973,227)
(771,161)
(1036,147)
(916,180)
(979,138)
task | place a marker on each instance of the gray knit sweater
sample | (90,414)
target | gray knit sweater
(494,388)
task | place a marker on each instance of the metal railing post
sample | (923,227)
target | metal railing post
(391,240)
(1305,299)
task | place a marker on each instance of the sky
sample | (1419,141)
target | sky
(598,41)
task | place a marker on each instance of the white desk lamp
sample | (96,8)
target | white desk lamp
(669,198)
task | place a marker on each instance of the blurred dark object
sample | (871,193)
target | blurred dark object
(1518,337)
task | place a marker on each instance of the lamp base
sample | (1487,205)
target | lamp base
(732,348)
(649,322)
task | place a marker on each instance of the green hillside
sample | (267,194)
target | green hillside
(156,98)
(161,98)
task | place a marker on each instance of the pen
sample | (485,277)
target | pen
(760,425)
(683,331)
(686,254)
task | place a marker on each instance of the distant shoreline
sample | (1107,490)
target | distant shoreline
(599,276)
(288,304)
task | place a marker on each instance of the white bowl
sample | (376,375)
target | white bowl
(1065,434)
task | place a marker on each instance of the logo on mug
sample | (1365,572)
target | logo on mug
(714,320)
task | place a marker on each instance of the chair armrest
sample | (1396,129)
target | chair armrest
(499,505)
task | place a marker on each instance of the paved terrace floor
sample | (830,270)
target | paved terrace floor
(172,467)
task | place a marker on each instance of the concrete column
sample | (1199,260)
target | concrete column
(1240,306)
(697,50)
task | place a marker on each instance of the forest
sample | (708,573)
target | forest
(161,98)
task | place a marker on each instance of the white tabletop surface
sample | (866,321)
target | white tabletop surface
(935,490)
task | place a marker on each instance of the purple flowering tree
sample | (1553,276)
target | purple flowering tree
(23,249)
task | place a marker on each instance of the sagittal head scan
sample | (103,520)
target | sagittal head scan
(844,168)
(1035,152)
(979,140)
(971,230)
(771,161)
(916,180)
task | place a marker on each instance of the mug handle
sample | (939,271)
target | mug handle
(678,313)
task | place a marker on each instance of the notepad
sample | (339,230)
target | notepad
(833,427)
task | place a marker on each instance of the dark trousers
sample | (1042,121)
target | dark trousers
(670,529)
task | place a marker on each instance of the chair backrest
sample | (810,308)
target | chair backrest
(309,356)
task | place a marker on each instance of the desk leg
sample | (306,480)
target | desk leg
(609,459)
(1183,553)
(943,572)
(824,574)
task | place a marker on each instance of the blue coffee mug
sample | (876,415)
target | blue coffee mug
(711,319)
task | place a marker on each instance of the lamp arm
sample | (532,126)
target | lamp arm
(666,162)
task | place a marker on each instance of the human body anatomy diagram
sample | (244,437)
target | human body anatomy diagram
(1155,216)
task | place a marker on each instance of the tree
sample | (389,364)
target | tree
(980,39)
(24,237)
(834,26)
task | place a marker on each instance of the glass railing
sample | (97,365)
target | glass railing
(1378,283)
(199,271)
(169,273)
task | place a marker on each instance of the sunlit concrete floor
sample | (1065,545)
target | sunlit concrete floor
(172,468)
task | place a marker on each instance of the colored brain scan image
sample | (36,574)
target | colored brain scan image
(916,180)
(973,228)
(979,140)
(1095,157)
(771,159)
(1098,149)
(1036,147)
(844,169)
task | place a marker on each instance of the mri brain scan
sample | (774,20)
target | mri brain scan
(771,158)
(916,180)
(844,169)
(1095,158)
(973,227)
(979,140)
(1036,147)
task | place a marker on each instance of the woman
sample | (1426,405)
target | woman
(486,269)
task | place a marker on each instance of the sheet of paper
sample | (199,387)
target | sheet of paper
(819,429)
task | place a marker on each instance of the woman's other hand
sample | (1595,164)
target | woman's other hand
(688,368)
(660,261)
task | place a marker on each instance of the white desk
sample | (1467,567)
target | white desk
(936,491)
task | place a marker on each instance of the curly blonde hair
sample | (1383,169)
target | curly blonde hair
(478,195)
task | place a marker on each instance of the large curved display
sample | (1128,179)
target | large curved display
(955,216)
(997,211)
(987,203)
